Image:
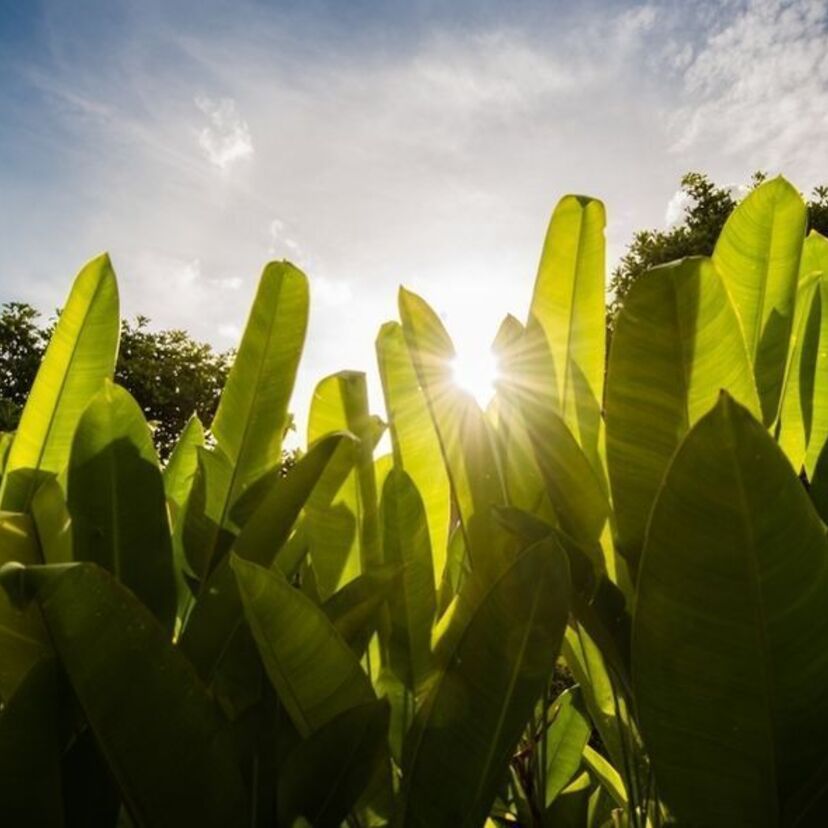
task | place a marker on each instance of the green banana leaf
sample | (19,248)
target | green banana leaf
(798,386)
(310,665)
(490,677)
(597,603)
(23,640)
(599,693)
(565,740)
(758,255)
(182,464)
(52,522)
(80,356)
(115,495)
(179,478)
(522,477)
(356,610)
(815,400)
(30,750)
(414,440)
(571,807)
(342,517)
(206,532)
(252,415)
(814,255)
(466,439)
(156,727)
(218,611)
(569,304)
(325,775)
(818,489)
(577,492)
(814,367)
(730,635)
(607,775)
(413,604)
(6,438)
(677,343)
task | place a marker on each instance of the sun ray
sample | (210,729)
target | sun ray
(477,373)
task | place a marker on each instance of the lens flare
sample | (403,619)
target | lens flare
(476,372)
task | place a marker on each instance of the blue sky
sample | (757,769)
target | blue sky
(375,144)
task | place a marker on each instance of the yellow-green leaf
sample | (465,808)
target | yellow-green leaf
(466,439)
(23,640)
(758,255)
(152,720)
(115,495)
(676,344)
(490,678)
(312,668)
(252,414)
(80,356)
(342,516)
(569,304)
(412,604)
(413,437)
(730,634)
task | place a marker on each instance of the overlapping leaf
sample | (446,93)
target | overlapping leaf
(490,677)
(115,495)
(152,720)
(342,516)
(677,343)
(80,356)
(758,256)
(413,437)
(569,305)
(730,640)
(252,416)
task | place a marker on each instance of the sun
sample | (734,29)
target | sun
(476,372)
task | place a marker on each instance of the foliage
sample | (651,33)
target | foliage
(171,375)
(708,207)
(601,602)
(22,343)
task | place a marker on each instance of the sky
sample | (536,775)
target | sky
(376,144)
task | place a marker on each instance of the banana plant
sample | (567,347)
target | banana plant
(600,602)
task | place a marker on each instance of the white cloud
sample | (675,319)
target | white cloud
(430,157)
(230,331)
(282,246)
(636,21)
(757,88)
(226,140)
(676,209)
(229,283)
(330,292)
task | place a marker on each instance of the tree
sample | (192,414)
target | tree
(708,209)
(170,374)
(22,343)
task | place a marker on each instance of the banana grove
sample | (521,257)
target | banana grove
(379,639)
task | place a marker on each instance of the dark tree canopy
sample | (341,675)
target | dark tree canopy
(708,207)
(171,376)
(22,343)
(169,373)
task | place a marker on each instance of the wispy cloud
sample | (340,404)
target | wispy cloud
(676,209)
(758,87)
(423,146)
(226,139)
